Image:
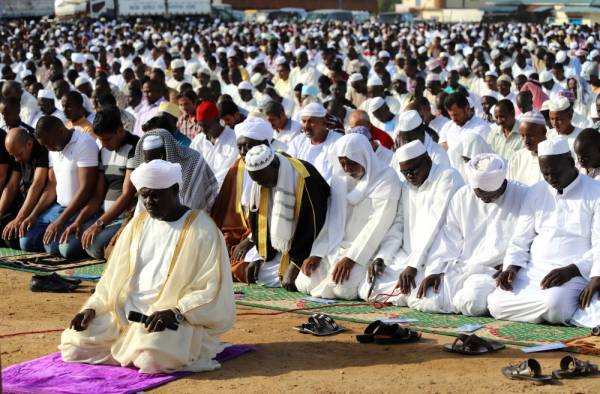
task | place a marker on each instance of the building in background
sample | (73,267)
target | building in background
(357,5)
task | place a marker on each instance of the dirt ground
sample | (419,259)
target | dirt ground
(289,361)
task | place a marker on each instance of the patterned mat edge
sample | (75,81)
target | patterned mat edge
(60,272)
(362,321)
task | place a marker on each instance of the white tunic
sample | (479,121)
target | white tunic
(525,168)
(452,134)
(318,155)
(308,76)
(291,130)
(221,155)
(553,231)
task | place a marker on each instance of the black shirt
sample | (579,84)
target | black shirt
(38,159)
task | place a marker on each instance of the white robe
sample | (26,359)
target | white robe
(221,155)
(553,231)
(590,316)
(452,134)
(419,216)
(473,240)
(524,167)
(291,130)
(318,155)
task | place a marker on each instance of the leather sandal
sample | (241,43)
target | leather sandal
(571,367)
(472,345)
(527,370)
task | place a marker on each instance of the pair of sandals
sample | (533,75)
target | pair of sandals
(472,345)
(320,325)
(531,370)
(386,334)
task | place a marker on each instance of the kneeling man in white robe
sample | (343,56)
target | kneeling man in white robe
(364,198)
(470,248)
(170,264)
(425,196)
(554,244)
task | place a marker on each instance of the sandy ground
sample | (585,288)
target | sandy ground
(289,361)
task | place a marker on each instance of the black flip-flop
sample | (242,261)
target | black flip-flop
(571,367)
(472,345)
(396,334)
(527,370)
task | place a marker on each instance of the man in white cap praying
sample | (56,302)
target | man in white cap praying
(561,115)
(357,90)
(470,247)
(316,142)
(554,243)
(287,209)
(169,264)
(400,262)
(364,199)
(246,100)
(410,128)
(47,103)
(523,165)
(381,116)
(179,77)
(375,89)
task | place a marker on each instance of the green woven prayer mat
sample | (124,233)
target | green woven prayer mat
(41,263)
(521,334)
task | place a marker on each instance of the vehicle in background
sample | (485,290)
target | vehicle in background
(330,16)
(277,15)
(26,8)
(126,8)
(396,17)
(361,16)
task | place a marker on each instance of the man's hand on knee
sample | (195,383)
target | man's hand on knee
(431,281)
(587,295)
(342,270)
(310,265)
(560,276)
(406,281)
(506,277)
(82,320)
(158,321)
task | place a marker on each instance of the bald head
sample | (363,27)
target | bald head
(12,89)
(587,149)
(359,118)
(19,143)
(532,134)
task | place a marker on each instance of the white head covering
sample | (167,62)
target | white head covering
(280,60)
(374,81)
(245,85)
(375,103)
(355,77)
(545,76)
(534,117)
(257,79)
(486,171)
(259,157)
(82,81)
(254,128)
(152,142)
(553,146)
(408,120)
(157,174)
(410,151)
(177,63)
(561,57)
(559,104)
(314,109)
(471,145)
(45,94)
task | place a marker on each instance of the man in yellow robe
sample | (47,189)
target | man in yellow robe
(170,264)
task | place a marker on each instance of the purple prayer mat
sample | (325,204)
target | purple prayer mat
(51,375)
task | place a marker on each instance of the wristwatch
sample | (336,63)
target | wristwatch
(178,315)
(100,224)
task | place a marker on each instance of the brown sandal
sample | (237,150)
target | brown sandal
(527,370)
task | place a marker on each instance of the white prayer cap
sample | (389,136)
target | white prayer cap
(433,77)
(421,50)
(384,54)
(545,106)
(408,121)
(534,117)
(573,45)
(259,157)
(491,74)
(374,81)
(314,109)
(138,45)
(280,60)
(254,128)
(245,85)
(495,54)
(561,57)
(410,151)
(231,53)
(152,142)
(251,49)
(486,171)
(288,47)
(504,78)
(553,146)
(156,174)
(299,51)
(78,58)
(45,94)
(355,78)
(594,53)
(506,64)
(559,104)
(257,79)
(545,76)
(82,80)
(375,103)
(177,63)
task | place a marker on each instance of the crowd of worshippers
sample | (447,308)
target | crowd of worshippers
(448,168)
